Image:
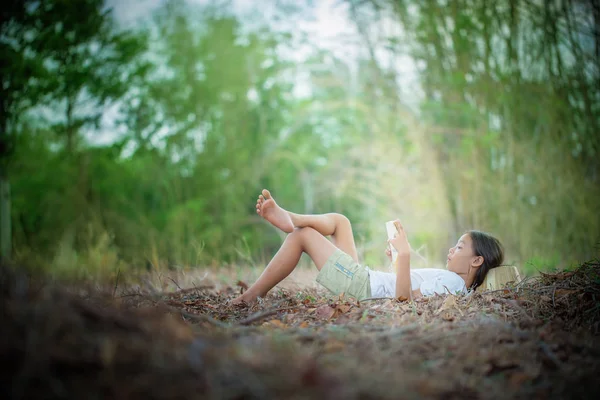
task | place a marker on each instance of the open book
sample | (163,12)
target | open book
(391,232)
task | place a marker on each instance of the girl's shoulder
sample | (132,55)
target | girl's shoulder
(440,281)
(429,273)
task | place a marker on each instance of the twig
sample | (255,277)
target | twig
(524,280)
(498,290)
(187,290)
(157,299)
(537,290)
(514,305)
(176,284)
(195,317)
(199,317)
(263,314)
(378,298)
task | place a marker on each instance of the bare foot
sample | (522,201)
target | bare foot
(269,210)
(244,298)
(239,300)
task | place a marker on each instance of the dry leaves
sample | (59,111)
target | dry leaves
(514,343)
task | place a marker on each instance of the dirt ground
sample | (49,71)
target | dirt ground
(175,336)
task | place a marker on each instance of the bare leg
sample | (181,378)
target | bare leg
(335,225)
(306,240)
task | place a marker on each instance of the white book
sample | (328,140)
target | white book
(391,233)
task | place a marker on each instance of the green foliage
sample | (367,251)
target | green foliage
(204,116)
(509,103)
(540,263)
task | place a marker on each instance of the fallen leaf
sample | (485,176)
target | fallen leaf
(449,304)
(275,323)
(387,304)
(325,312)
(564,275)
(343,308)
(447,316)
(343,319)
(404,308)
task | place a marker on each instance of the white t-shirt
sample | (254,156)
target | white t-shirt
(429,280)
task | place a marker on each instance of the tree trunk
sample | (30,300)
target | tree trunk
(5,227)
(70,129)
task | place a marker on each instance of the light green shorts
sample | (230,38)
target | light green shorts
(341,274)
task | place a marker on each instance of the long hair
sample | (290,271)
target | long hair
(488,247)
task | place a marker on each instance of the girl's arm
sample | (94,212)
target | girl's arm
(402,265)
(403,284)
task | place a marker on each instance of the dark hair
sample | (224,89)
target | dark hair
(488,247)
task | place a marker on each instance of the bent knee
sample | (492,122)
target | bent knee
(299,232)
(341,220)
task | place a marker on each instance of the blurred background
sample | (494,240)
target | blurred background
(138,134)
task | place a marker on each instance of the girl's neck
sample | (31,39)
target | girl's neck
(468,277)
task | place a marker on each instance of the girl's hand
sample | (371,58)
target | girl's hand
(388,253)
(400,242)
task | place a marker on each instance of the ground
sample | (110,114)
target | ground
(176,336)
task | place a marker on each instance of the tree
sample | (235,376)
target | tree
(510,92)
(91,62)
(61,56)
(17,92)
(211,106)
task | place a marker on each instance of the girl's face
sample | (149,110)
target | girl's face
(462,257)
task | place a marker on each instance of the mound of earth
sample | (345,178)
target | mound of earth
(538,339)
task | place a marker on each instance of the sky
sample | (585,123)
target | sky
(330,16)
(326,23)
(330,26)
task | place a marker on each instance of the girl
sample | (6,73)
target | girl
(339,271)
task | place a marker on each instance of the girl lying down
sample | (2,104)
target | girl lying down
(467,264)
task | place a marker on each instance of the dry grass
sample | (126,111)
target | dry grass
(181,339)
